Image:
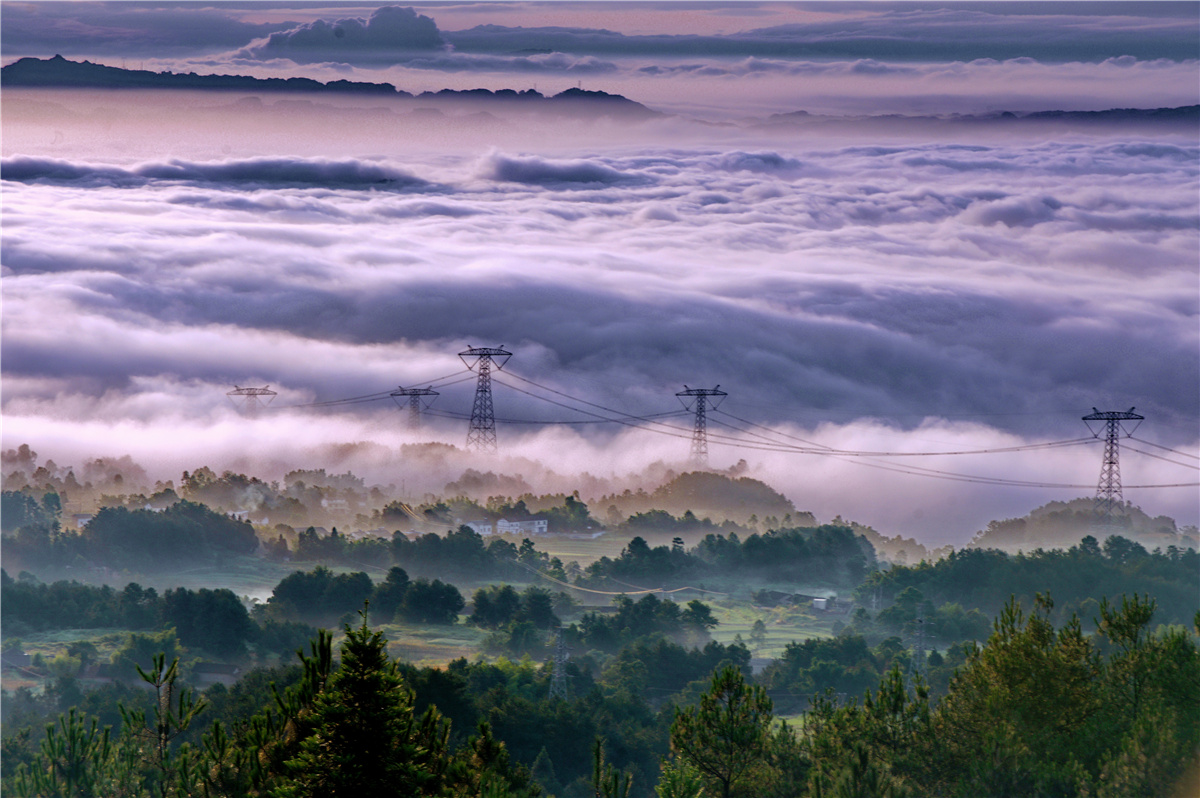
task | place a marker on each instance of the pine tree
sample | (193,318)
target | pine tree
(365,739)
(727,736)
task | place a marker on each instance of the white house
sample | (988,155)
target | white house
(537,526)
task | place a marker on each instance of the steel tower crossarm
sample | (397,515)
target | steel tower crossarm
(252,397)
(481,435)
(699,453)
(1108,489)
(414,402)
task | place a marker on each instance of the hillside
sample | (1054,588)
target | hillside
(59,72)
(1064,524)
(712,495)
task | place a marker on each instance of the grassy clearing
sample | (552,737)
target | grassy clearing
(584,551)
(255,577)
(797,722)
(52,643)
(432,645)
(783,626)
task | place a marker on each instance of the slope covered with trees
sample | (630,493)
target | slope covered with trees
(1039,709)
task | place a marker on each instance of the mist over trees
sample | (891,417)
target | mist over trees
(213,621)
(896,678)
(827,553)
(1037,708)
(985,580)
(182,535)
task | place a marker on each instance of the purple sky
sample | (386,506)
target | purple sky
(887,286)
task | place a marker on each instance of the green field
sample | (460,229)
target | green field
(784,625)
(429,645)
(584,551)
(255,577)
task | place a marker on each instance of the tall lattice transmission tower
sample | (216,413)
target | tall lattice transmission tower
(919,664)
(481,435)
(251,399)
(698,401)
(415,399)
(558,679)
(1108,491)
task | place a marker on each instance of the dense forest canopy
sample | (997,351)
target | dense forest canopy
(617,655)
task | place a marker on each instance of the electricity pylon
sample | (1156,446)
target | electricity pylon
(1108,491)
(917,667)
(481,435)
(251,402)
(699,456)
(414,402)
(558,678)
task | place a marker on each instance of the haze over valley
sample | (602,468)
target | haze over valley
(580,365)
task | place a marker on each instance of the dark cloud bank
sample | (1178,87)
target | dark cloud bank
(1055,32)
(866,285)
(801,341)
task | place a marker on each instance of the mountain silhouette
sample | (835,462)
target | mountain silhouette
(59,72)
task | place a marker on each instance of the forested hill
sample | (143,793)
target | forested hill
(1065,524)
(59,72)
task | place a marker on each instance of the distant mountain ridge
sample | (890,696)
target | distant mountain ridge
(59,72)
(1062,524)
(1186,114)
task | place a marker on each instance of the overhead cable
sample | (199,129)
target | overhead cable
(1160,457)
(1164,448)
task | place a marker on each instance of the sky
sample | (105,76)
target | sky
(896,271)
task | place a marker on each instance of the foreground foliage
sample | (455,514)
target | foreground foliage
(349,730)
(1037,711)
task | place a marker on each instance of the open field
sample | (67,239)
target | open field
(784,625)
(251,576)
(429,645)
(53,644)
(584,551)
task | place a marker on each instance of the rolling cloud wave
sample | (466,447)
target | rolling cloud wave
(851,290)
(246,173)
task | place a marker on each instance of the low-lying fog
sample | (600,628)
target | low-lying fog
(868,286)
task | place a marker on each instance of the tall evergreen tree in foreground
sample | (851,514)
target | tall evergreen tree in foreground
(1037,711)
(726,737)
(365,739)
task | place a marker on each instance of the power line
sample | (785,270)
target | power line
(777,445)
(481,435)
(370,397)
(1164,459)
(954,476)
(572,398)
(699,453)
(839,453)
(994,450)
(1164,448)
(439,384)
(415,402)
(252,398)
(546,422)
(773,431)
(827,451)
(628,420)
(1108,490)
(483,422)
(374,397)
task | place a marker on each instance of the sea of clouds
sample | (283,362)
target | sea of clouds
(912,293)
